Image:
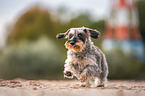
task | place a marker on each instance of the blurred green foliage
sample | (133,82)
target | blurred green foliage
(124,67)
(141,7)
(33,52)
(32,60)
(32,24)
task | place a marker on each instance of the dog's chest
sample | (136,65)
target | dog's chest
(80,61)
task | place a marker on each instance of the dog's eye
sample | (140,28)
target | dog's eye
(70,36)
(79,35)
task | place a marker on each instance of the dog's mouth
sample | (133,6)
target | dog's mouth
(77,47)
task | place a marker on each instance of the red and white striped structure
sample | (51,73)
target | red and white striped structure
(122,25)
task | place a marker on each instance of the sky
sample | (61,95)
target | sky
(10,10)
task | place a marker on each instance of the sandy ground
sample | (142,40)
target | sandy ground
(21,87)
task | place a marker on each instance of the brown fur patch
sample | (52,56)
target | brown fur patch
(78,47)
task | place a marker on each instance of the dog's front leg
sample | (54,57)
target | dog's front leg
(85,82)
(68,73)
(84,75)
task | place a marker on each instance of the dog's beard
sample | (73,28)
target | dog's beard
(77,47)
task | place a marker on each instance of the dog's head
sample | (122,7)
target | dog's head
(77,38)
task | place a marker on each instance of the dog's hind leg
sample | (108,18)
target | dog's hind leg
(99,82)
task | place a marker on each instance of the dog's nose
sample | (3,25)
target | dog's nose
(72,42)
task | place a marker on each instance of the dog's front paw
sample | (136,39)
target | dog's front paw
(100,85)
(68,74)
(84,85)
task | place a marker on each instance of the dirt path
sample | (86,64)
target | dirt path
(69,88)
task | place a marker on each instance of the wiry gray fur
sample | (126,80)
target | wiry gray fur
(97,71)
(95,66)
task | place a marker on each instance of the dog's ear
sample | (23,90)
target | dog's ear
(61,35)
(94,33)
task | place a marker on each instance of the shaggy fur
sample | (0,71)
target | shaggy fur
(84,60)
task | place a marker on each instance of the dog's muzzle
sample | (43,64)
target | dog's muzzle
(72,43)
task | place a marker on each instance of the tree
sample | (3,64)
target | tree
(31,25)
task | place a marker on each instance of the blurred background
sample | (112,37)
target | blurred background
(29,49)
